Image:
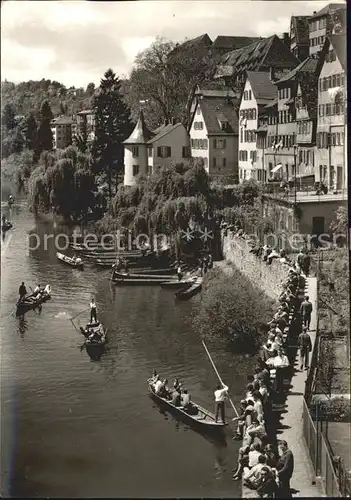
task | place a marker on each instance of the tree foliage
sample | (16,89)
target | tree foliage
(63,182)
(112,127)
(44,132)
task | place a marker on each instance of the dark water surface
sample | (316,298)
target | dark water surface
(73,427)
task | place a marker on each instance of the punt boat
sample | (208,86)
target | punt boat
(199,416)
(142,276)
(191,291)
(183,284)
(95,335)
(31,302)
(77,263)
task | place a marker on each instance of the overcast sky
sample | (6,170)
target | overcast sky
(74,42)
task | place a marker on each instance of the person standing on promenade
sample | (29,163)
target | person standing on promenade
(306,262)
(305,346)
(220,394)
(306,311)
(285,468)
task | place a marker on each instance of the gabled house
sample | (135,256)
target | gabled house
(328,21)
(270,54)
(146,150)
(331,136)
(214,134)
(61,129)
(299,37)
(258,92)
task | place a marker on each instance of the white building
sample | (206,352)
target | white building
(258,92)
(145,151)
(331,137)
(214,133)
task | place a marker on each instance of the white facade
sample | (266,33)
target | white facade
(168,149)
(199,139)
(247,136)
(135,161)
(331,138)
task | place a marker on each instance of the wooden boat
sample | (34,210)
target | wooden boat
(183,284)
(32,302)
(95,335)
(78,264)
(134,276)
(201,417)
(138,282)
(6,226)
(191,291)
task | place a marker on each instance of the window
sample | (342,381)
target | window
(241,135)
(214,143)
(224,162)
(135,151)
(149,170)
(135,170)
(246,95)
(165,151)
(250,95)
(185,152)
(214,162)
(149,152)
(198,125)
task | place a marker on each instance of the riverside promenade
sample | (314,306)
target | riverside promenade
(292,433)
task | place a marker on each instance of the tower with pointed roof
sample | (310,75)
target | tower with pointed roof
(135,151)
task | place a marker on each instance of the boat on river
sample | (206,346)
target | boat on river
(33,301)
(191,291)
(71,261)
(133,276)
(6,226)
(183,284)
(138,282)
(198,415)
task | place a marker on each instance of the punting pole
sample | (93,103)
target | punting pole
(219,378)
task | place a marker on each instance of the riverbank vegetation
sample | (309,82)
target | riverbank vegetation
(233,309)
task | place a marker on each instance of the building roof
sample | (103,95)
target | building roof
(339,45)
(328,9)
(85,112)
(163,130)
(254,56)
(271,104)
(301,28)
(309,65)
(62,120)
(262,87)
(193,44)
(215,110)
(141,134)
(215,93)
(233,42)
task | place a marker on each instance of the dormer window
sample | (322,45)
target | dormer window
(223,124)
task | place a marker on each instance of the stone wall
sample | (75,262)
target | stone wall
(267,277)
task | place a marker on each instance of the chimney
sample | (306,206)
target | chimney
(286,39)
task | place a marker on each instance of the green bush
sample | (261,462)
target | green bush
(233,309)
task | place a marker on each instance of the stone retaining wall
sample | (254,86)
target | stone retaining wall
(267,277)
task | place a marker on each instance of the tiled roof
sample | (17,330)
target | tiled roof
(339,45)
(215,93)
(254,56)
(162,131)
(262,87)
(328,9)
(301,27)
(233,42)
(194,43)
(309,65)
(141,134)
(216,109)
(272,104)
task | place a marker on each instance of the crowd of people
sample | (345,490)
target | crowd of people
(264,464)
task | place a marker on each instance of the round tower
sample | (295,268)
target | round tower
(135,151)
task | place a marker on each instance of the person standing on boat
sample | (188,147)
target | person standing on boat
(22,291)
(93,316)
(220,394)
(37,290)
(179,272)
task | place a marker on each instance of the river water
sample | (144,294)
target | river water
(74,427)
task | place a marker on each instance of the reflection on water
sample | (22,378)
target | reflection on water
(68,421)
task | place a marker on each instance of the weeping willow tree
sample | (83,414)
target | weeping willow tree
(63,183)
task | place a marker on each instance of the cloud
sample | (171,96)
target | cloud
(75,42)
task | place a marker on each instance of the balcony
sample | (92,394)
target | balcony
(304,194)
